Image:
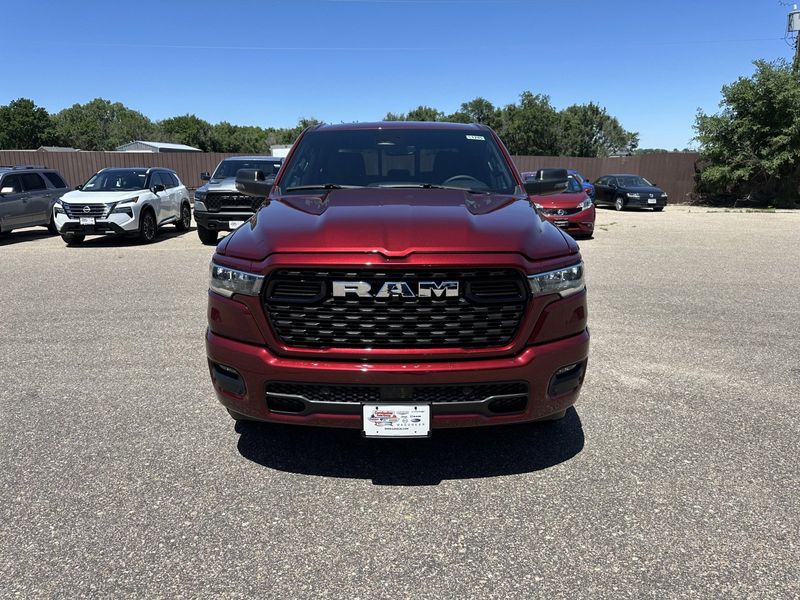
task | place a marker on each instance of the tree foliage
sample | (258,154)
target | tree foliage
(101,125)
(24,125)
(752,146)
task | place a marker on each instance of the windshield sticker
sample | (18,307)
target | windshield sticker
(479,138)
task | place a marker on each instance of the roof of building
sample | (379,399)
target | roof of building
(161,146)
(57,149)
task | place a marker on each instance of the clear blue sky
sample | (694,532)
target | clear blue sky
(262,62)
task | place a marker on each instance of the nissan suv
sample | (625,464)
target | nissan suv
(124,201)
(398,280)
(27,195)
(219,206)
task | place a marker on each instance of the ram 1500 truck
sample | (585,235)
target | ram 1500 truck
(397,280)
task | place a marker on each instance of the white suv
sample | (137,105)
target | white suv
(125,201)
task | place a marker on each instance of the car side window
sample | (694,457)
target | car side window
(55,180)
(155,179)
(32,182)
(14,182)
(168,179)
(601,181)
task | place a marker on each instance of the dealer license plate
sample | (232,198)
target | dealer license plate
(235,224)
(651,200)
(87,220)
(397,420)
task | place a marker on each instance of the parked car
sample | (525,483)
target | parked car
(587,186)
(218,206)
(623,191)
(124,201)
(572,210)
(27,195)
(398,269)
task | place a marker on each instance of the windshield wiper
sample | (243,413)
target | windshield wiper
(432,186)
(322,186)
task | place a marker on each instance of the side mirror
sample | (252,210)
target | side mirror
(157,188)
(612,185)
(253,182)
(6,190)
(548,181)
(205,176)
(79,187)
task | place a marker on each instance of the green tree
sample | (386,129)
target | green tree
(186,129)
(752,146)
(101,125)
(588,130)
(24,126)
(479,110)
(529,127)
(421,113)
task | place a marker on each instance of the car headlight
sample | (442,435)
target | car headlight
(123,206)
(563,281)
(586,204)
(227,282)
(663,194)
(58,206)
(538,206)
(633,196)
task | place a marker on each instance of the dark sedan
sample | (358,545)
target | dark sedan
(623,191)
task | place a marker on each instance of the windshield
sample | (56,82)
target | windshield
(457,158)
(116,180)
(632,181)
(229,168)
(573,187)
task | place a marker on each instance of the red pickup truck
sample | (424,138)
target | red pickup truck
(397,280)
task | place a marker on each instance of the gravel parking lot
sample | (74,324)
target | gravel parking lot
(675,477)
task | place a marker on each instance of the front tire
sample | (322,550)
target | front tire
(51,225)
(185,220)
(147,227)
(207,236)
(619,203)
(73,239)
(658,208)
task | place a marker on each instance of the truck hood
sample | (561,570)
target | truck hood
(227,184)
(396,223)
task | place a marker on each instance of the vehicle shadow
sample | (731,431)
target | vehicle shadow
(448,454)
(115,241)
(28,235)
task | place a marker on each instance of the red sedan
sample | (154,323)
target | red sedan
(572,210)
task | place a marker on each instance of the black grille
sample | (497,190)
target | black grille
(554,212)
(485,314)
(512,394)
(76,211)
(216,202)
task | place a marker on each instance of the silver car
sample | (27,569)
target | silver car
(27,195)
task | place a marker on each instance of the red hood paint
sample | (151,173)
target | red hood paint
(396,223)
(559,200)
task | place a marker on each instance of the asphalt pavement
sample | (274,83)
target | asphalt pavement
(677,475)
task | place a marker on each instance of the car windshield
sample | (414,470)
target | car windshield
(415,157)
(632,181)
(577,176)
(229,168)
(573,187)
(116,180)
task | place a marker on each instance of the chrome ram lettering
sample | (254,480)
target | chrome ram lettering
(396,289)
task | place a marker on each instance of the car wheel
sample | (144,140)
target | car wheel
(658,208)
(147,227)
(185,220)
(619,203)
(73,239)
(207,236)
(238,417)
(51,225)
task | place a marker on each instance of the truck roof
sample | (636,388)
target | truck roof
(401,125)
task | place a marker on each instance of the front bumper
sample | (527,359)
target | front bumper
(643,203)
(241,373)
(581,223)
(219,221)
(120,224)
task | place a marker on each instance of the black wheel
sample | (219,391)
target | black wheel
(185,220)
(658,208)
(207,236)
(619,203)
(238,417)
(73,239)
(147,227)
(51,225)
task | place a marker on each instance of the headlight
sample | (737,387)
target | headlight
(663,194)
(537,205)
(633,195)
(563,281)
(123,206)
(227,282)
(199,196)
(58,206)
(586,204)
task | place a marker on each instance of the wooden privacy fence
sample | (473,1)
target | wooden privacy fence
(672,171)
